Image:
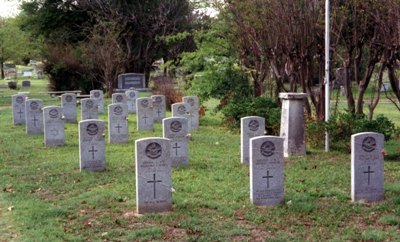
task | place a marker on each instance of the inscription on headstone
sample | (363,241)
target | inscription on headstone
(266,170)
(118,123)
(131,96)
(118,98)
(68,103)
(131,80)
(159,107)
(34,116)
(144,113)
(153,175)
(250,127)
(176,130)
(193,102)
(18,104)
(89,108)
(99,96)
(92,145)
(53,126)
(367,174)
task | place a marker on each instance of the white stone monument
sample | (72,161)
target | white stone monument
(53,122)
(194,106)
(99,96)
(144,112)
(18,104)
(182,110)
(251,126)
(176,130)
(118,123)
(131,96)
(89,109)
(68,103)
(118,98)
(34,116)
(159,108)
(92,146)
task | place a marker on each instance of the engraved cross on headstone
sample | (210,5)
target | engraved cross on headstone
(268,177)
(20,113)
(118,127)
(159,112)
(176,147)
(145,118)
(34,120)
(154,181)
(369,172)
(93,151)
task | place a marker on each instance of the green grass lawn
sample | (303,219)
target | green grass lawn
(44,196)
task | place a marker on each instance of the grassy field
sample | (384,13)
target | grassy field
(44,196)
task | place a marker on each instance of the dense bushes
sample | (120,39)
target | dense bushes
(343,125)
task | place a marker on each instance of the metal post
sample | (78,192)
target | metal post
(327,88)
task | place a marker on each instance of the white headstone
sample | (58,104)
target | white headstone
(194,106)
(68,103)
(251,126)
(153,175)
(292,123)
(367,171)
(159,107)
(53,126)
(34,116)
(89,109)
(92,155)
(144,112)
(266,170)
(99,96)
(118,98)
(182,110)
(18,103)
(176,129)
(118,123)
(131,96)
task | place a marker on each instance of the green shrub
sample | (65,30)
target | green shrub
(345,124)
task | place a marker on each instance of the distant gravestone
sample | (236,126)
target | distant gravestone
(99,96)
(131,96)
(266,170)
(34,116)
(131,80)
(159,107)
(89,109)
(92,145)
(118,98)
(18,104)
(153,175)
(292,123)
(367,171)
(176,130)
(26,83)
(118,123)
(27,73)
(251,126)
(53,126)
(385,87)
(68,103)
(193,102)
(144,112)
(182,110)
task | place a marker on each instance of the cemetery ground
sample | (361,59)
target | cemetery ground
(44,196)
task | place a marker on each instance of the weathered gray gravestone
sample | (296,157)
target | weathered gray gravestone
(266,170)
(251,126)
(34,116)
(92,145)
(159,107)
(153,175)
(99,96)
(144,113)
(367,174)
(26,83)
(53,122)
(18,103)
(118,98)
(176,129)
(131,80)
(292,123)
(131,96)
(68,103)
(182,110)
(118,123)
(193,102)
(89,109)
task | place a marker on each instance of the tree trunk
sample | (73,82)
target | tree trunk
(349,92)
(364,85)
(394,82)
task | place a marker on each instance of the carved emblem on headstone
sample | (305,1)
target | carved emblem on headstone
(92,129)
(176,126)
(96,94)
(254,125)
(20,99)
(191,101)
(153,150)
(369,144)
(34,105)
(53,113)
(118,110)
(267,148)
(182,110)
(158,100)
(145,103)
(119,98)
(89,104)
(68,98)
(132,94)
